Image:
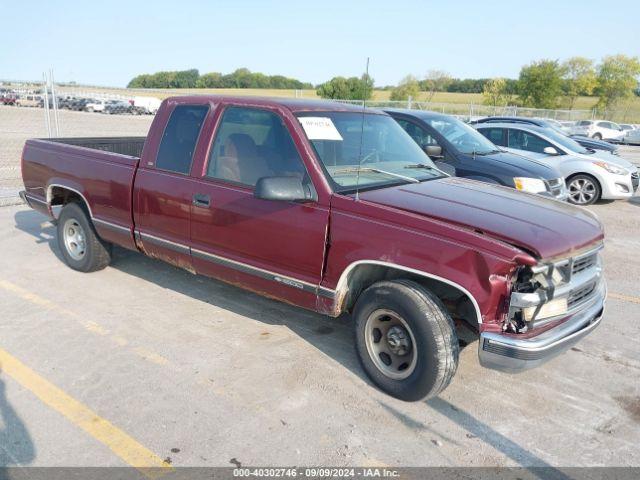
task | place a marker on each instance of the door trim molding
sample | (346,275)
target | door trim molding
(239,266)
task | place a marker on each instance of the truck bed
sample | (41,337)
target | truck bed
(131,146)
(98,169)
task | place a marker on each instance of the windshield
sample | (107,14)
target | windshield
(369,150)
(565,141)
(465,138)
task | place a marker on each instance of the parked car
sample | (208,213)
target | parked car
(599,129)
(146,105)
(631,137)
(49,101)
(80,104)
(450,141)
(95,106)
(627,126)
(8,98)
(585,141)
(334,209)
(559,125)
(566,127)
(29,100)
(589,176)
(65,102)
(117,107)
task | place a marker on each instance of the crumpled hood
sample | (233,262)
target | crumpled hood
(547,228)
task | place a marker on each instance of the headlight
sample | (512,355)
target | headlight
(532,185)
(611,168)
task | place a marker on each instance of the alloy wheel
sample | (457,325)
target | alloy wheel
(582,190)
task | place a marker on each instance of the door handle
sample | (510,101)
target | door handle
(201,200)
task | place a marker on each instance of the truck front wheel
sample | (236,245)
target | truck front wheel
(406,340)
(79,243)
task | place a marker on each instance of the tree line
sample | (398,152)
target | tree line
(240,78)
(541,84)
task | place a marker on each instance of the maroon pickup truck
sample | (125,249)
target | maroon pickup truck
(335,209)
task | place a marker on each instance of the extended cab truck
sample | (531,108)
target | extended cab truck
(332,208)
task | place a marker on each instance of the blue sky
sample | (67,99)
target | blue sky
(107,43)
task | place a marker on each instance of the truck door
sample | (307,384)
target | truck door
(162,191)
(273,247)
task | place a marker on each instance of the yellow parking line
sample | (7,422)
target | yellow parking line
(102,430)
(89,325)
(624,298)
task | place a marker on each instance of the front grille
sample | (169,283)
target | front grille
(584,263)
(581,294)
(634,180)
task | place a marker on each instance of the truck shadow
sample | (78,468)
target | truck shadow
(16,445)
(334,337)
(475,428)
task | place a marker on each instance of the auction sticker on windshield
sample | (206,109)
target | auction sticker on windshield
(320,128)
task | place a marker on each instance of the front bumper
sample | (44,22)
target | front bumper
(619,187)
(513,353)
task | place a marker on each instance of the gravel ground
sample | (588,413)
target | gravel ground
(204,374)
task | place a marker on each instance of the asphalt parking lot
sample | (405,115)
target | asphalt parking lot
(144,364)
(148,365)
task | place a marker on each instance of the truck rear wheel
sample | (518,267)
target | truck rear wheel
(79,243)
(406,339)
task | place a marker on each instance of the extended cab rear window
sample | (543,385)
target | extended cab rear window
(180,138)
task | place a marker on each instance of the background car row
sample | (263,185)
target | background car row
(139,105)
(531,156)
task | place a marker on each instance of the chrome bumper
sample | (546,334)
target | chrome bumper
(512,353)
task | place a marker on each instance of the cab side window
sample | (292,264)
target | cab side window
(521,140)
(250,144)
(419,134)
(180,137)
(495,135)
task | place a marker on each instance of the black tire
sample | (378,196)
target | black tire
(90,253)
(597,136)
(436,344)
(595,192)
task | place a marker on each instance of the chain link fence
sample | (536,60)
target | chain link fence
(46,109)
(471,111)
(31,110)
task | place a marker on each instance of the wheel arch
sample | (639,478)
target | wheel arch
(362,274)
(591,175)
(60,194)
